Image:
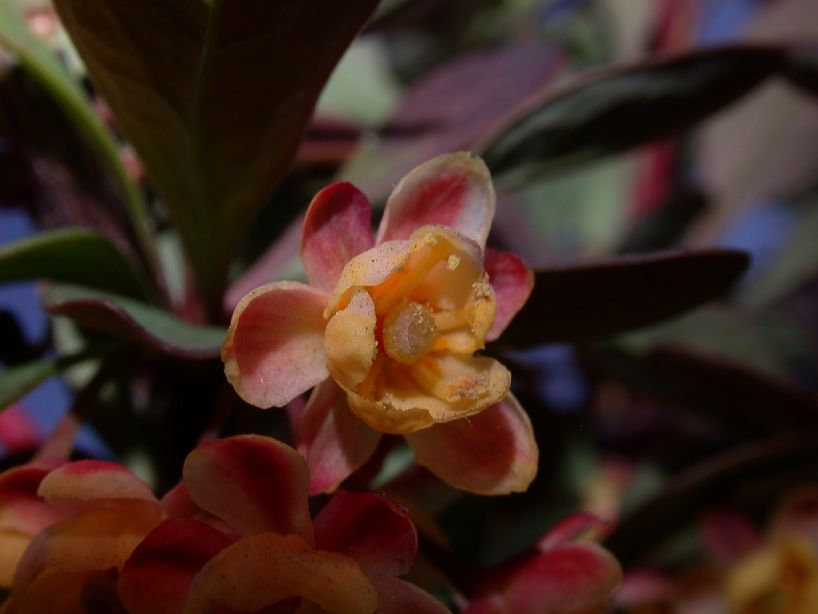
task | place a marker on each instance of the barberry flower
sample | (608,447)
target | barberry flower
(387,331)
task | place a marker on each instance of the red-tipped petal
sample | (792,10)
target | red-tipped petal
(576,527)
(512,281)
(254,483)
(570,579)
(274,348)
(373,530)
(263,570)
(452,190)
(334,441)
(157,576)
(490,453)
(336,229)
(21,508)
(399,597)
(95,540)
(87,480)
(22,513)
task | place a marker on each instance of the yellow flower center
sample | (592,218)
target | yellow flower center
(403,324)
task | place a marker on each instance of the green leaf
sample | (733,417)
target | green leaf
(621,107)
(132,320)
(214,96)
(17,381)
(73,255)
(36,59)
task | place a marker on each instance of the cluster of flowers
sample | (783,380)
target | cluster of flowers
(745,570)
(386,332)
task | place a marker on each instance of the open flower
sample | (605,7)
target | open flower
(388,329)
(235,534)
(241,539)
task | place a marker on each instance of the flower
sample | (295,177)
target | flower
(387,331)
(241,538)
(567,574)
(91,516)
(236,534)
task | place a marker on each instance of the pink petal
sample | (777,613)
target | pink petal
(157,576)
(644,588)
(570,579)
(21,508)
(337,228)
(263,570)
(399,597)
(373,530)
(452,190)
(87,480)
(18,432)
(576,527)
(512,281)
(334,441)
(274,348)
(254,483)
(490,453)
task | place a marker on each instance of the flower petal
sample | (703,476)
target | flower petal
(157,576)
(262,570)
(452,190)
(490,453)
(349,339)
(373,530)
(95,540)
(334,441)
(22,513)
(336,229)
(580,526)
(397,597)
(570,579)
(512,281)
(274,348)
(87,480)
(253,483)
(21,508)
(439,388)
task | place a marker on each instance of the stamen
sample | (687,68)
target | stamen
(409,332)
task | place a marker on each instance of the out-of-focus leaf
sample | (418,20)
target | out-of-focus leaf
(361,89)
(214,96)
(790,458)
(588,301)
(72,255)
(769,342)
(745,400)
(794,265)
(132,320)
(451,108)
(582,211)
(616,108)
(666,224)
(16,381)
(36,59)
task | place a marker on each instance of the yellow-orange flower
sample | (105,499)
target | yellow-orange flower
(389,327)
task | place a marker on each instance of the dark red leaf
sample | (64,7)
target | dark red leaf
(593,300)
